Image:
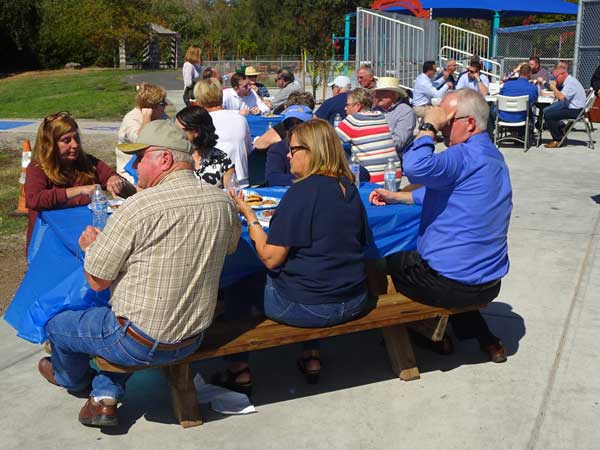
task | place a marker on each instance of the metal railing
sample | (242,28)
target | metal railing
(391,47)
(491,68)
(465,40)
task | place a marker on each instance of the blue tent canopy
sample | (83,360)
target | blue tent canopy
(487,8)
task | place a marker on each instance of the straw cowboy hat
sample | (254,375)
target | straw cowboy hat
(251,71)
(390,84)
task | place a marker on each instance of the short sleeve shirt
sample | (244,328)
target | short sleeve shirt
(213,167)
(326,232)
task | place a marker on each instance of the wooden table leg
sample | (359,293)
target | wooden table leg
(432,329)
(183,394)
(400,352)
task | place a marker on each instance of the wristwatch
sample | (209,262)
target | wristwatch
(255,222)
(427,127)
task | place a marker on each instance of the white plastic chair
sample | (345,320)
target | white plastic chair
(582,117)
(512,104)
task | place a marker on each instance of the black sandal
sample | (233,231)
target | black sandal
(228,378)
(312,376)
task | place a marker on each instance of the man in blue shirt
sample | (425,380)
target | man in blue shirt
(466,194)
(337,104)
(424,90)
(516,88)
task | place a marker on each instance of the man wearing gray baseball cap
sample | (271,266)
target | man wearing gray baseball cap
(161,254)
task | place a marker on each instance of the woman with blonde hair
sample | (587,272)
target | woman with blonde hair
(61,174)
(192,70)
(314,249)
(150,104)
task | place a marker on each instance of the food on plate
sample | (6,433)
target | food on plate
(253,200)
(268,213)
(269,201)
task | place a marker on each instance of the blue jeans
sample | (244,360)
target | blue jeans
(240,298)
(282,310)
(77,335)
(554,114)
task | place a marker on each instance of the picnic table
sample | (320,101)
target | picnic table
(55,280)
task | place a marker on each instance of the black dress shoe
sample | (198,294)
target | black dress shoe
(495,351)
(99,414)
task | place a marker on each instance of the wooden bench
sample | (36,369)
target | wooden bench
(392,314)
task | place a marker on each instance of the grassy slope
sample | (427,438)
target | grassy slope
(10,168)
(89,93)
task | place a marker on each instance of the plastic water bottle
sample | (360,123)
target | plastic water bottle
(389,176)
(99,207)
(336,120)
(355,167)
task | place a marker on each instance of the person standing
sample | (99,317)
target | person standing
(161,254)
(462,249)
(192,70)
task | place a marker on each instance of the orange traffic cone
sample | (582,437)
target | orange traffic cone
(25,159)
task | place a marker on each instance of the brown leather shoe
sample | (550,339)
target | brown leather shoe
(496,352)
(101,414)
(552,144)
(46,370)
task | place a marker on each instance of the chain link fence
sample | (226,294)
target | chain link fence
(588,41)
(551,42)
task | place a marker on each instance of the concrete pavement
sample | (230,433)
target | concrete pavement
(546,397)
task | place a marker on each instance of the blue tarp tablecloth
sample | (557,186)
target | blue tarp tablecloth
(55,280)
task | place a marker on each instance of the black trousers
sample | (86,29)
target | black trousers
(413,277)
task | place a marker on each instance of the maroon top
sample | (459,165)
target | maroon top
(41,194)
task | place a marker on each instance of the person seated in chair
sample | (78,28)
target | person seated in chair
(516,88)
(571,101)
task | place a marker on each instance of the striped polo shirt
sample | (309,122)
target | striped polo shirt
(369,134)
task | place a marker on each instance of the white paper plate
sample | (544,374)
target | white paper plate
(113,204)
(273,202)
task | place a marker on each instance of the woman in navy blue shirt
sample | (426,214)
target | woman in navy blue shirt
(314,249)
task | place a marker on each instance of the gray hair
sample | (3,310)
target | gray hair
(362,97)
(177,155)
(181,157)
(472,103)
(367,68)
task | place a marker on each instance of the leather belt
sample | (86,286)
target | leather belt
(148,343)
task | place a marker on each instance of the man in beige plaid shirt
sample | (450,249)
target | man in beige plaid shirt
(161,254)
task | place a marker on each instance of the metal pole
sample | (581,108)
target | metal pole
(346,42)
(495,26)
(577,37)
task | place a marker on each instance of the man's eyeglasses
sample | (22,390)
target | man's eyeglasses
(473,72)
(454,119)
(140,155)
(297,148)
(55,116)
(350,104)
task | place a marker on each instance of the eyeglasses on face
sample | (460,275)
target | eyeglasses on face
(297,148)
(472,71)
(454,119)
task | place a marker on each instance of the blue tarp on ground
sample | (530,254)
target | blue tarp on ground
(486,8)
(9,125)
(55,280)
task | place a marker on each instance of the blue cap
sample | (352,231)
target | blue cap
(301,112)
